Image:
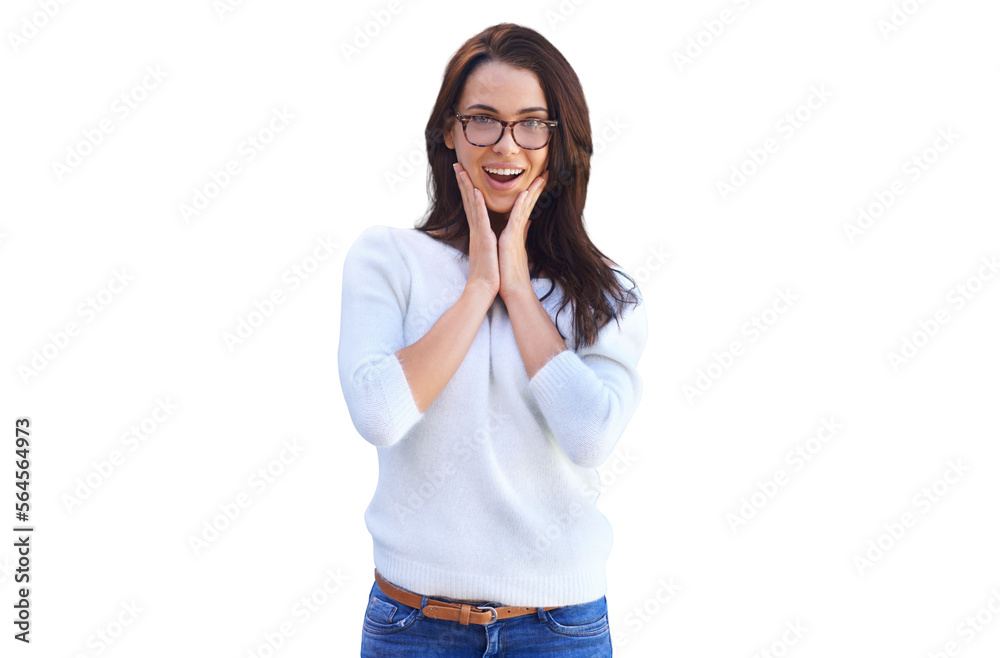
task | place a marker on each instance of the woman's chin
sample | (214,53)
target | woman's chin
(501,206)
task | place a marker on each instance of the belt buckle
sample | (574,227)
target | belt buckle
(491,609)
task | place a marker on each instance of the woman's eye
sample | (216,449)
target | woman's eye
(481,119)
(534,125)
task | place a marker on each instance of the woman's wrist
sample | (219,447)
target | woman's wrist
(480,293)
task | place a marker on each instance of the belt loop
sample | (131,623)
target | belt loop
(541,614)
(423,604)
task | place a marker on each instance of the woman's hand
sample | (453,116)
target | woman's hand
(514,274)
(484,268)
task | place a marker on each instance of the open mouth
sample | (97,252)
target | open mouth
(502,178)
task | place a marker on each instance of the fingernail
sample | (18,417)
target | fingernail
(455,166)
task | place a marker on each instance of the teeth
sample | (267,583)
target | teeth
(503,172)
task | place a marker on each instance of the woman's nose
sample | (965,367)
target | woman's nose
(506,143)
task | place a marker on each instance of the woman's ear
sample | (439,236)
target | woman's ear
(449,141)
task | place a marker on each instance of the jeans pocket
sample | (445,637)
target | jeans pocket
(589,618)
(384,615)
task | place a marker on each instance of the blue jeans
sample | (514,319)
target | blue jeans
(392,629)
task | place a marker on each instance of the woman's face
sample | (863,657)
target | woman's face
(503,92)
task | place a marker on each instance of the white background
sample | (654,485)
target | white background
(667,132)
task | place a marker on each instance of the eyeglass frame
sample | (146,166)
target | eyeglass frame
(465,118)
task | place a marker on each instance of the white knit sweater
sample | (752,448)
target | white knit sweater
(489,495)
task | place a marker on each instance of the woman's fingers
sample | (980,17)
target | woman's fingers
(483,263)
(472,200)
(526,200)
(462,187)
(540,182)
(480,205)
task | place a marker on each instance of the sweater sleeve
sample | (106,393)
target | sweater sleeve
(373,305)
(589,395)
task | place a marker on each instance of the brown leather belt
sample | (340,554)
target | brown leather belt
(463,613)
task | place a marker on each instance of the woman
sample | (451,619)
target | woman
(490,405)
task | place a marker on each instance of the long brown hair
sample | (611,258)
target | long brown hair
(557,240)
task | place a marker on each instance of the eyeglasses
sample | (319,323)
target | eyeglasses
(483,130)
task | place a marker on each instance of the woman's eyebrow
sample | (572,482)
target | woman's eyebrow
(494,110)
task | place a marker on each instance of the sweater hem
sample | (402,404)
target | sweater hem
(538,590)
(554,375)
(402,407)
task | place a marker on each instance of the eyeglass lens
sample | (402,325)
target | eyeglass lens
(484,130)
